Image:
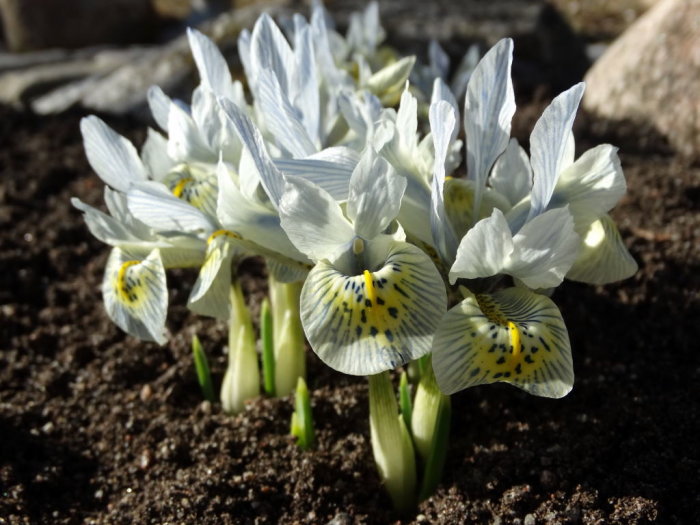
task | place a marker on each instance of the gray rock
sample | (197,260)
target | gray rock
(42,24)
(651,74)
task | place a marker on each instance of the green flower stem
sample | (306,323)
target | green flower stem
(268,350)
(242,377)
(430,424)
(201,366)
(288,335)
(405,400)
(302,419)
(391,443)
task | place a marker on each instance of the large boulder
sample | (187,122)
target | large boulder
(651,74)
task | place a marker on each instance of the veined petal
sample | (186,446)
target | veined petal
(488,111)
(514,335)
(550,146)
(113,157)
(135,294)
(512,174)
(313,220)
(484,250)
(443,124)
(305,97)
(375,194)
(154,205)
(212,67)
(332,177)
(365,324)
(270,177)
(283,121)
(270,49)
(544,250)
(603,257)
(210,293)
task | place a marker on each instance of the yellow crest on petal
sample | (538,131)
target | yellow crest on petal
(513,335)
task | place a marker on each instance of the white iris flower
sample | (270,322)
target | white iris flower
(372,301)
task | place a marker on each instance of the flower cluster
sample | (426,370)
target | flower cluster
(321,164)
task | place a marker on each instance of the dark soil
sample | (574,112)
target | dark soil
(98,428)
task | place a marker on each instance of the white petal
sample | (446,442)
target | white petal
(375,194)
(442,92)
(544,249)
(592,185)
(210,293)
(313,220)
(154,205)
(514,336)
(155,155)
(212,67)
(252,220)
(512,174)
(269,49)
(135,294)
(282,120)
(488,111)
(113,157)
(305,96)
(361,332)
(603,257)
(159,104)
(550,146)
(330,176)
(185,141)
(443,124)
(270,177)
(484,250)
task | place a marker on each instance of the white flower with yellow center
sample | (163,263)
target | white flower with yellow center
(372,301)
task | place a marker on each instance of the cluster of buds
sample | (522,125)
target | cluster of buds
(410,236)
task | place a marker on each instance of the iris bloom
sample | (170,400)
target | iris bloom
(372,301)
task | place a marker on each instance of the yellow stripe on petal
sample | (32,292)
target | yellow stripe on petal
(135,294)
(513,335)
(377,320)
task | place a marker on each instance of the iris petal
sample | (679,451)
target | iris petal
(367,323)
(514,335)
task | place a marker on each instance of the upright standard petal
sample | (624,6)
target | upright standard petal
(375,194)
(488,111)
(313,220)
(550,146)
(512,174)
(377,320)
(135,294)
(113,157)
(514,336)
(270,177)
(443,124)
(212,67)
